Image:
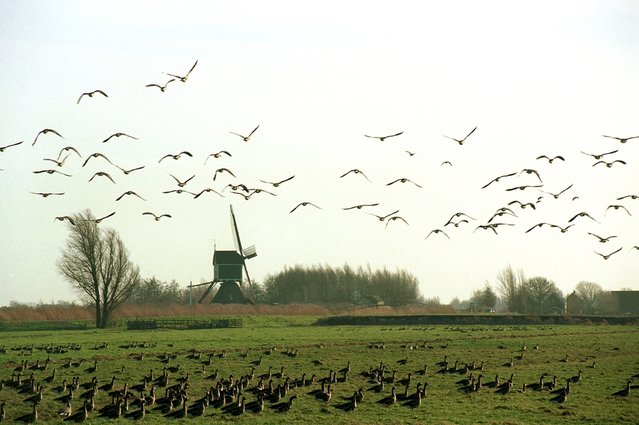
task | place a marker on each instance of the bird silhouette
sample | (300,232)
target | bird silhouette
(617,207)
(276,184)
(185,77)
(531,171)
(524,187)
(102,174)
(610,164)
(382,138)
(99,220)
(496,179)
(582,214)
(457,215)
(246,138)
(129,192)
(602,239)
(119,134)
(65,217)
(354,171)
(59,162)
(628,196)
(97,155)
(550,160)
(162,88)
(403,180)
(217,155)
(127,172)
(51,172)
(155,216)
(176,156)
(446,163)
(303,204)
(556,195)
(598,156)
(436,231)
(2,148)
(383,217)
(461,141)
(360,206)
(621,139)
(523,205)
(222,170)
(90,94)
(606,256)
(47,194)
(394,218)
(45,131)
(68,148)
(179,191)
(182,183)
(208,189)
(411,153)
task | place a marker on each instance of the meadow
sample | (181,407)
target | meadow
(297,349)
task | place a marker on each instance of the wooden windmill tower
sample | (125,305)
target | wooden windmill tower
(229,267)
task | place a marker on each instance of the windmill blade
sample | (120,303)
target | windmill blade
(248,279)
(208,290)
(236,232)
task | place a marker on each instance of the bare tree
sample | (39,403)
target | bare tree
(509,284)
(589,292)
(97,263)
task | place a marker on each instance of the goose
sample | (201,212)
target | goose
(411,153)
(355,171)
(179,191)
(457,223)
(382,138)
(156,217)
(415,401)
(623,393)
(303,204)
(102,174)
(394,218)
(217,155)
(523,205)
(162,88)
(610,164)
(606,256)
(550,160)
(562,397)
(582,214)
(2,148)
(360,206)
(575,379)
(57,161)
(98,220)
(46,131)
(383,217)
(3,412)
(181,183)
(119,134)
(127,172)
(446,163)
(222,170)
(276,184)
(31,416)
(436,231)
(621,139)
(176,156)
(90,94)
(67,149)
(601,239)
(284,406)
(600,155)
(403,180)
(616,207)
(461,141)
(562,229)
(500,213)
(628,196)
(207,190)
(496,179)
(129,192)
(457,215)
(350,404)
(47,194)
(556,195)
(185,77)
(51,172)
(97,155)
(246,138)
(389,400)
(524,187)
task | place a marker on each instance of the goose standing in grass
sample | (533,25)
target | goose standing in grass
(623,393)
(284,406)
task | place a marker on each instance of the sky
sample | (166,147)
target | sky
(534,78)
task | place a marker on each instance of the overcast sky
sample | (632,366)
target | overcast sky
(535,78)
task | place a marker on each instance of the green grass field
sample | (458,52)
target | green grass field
(294,344)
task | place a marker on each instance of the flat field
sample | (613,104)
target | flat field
(608,357)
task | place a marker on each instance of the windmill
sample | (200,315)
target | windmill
(228,269)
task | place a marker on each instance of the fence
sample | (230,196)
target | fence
(145,324)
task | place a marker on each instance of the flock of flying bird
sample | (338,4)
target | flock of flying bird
(245,191)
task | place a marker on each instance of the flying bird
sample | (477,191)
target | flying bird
(129,192)
(236,187)
(550,160)
(217,155)
(610,164)
(383,217)
(354,171)
(51,172)
(90,94)
(65,217)
(537,225)
(156,217)
(276,184)
(208,189)
(303,204)
(602,239)
(98,220)
(360,206)
(457,215)
(102,174)
(382,138)
(411,153)
(184,78)
(446,163)
(581,214)
(46,194)
(403,180)
(496,179)
(58,162)
(531,171)
(501,213)
(45,131)
(181,183)
(600,155)
(97,155)
(176,156)
(628,196)
(119,134)
(393,218)
(562,229)
(162,88)
(606,256)
(127,172)
(246,138)
(11,145)
(621,139)
(222,170)
(616,207)
(524,187)
(523,205)
(461,141)
(68,148)
(436,231)
(556,195)
(179,191)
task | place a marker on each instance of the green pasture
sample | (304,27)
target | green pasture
(607,355)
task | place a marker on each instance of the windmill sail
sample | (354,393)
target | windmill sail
(236,232)
(245,253)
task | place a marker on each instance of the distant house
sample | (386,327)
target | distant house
(575,305)
(371,300)
(627,302)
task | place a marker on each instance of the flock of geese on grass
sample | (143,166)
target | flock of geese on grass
(77,394)
(493,224)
